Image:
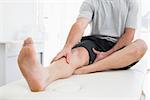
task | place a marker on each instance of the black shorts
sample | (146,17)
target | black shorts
(103,45)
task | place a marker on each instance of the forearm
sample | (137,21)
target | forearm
(125,40)
(76,32)
(74,36)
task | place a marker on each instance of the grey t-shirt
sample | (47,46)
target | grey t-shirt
(110,17)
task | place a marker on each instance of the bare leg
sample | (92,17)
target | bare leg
(37,76)
(118,59)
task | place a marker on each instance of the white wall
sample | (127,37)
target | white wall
(1,27)
(19,18)
(59,17)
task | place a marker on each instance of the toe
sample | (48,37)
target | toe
(28,41)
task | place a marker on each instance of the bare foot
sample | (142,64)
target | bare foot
(35,74)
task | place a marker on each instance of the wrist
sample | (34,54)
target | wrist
(110,51)
(68,46)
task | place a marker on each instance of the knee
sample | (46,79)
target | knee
(80,53)
(139,48)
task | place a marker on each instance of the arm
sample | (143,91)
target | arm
(125,40)
(74,37)
(127,37)
(76,32)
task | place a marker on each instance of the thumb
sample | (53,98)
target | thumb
(95,51)
(85,70)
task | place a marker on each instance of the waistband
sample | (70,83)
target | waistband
(109,38)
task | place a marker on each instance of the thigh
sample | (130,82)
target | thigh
(79,57)
(87,45)
(90,42)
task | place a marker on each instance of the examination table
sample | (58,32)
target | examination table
(109,85)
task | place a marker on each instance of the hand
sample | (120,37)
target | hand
(100,55)
(92,68)
(65,52)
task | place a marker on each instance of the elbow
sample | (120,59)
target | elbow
(129,38)
(78,25)
(129,35)
(81,23)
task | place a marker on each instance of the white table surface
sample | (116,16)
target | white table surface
(118,85)
(111,85)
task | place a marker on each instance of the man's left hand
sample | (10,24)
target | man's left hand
(90,68)
(100,55)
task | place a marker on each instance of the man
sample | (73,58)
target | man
(109,47)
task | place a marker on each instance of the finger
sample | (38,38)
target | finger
(84,70)
(95,51)
(57,57)
(97,59)
(68,57)
(53,60)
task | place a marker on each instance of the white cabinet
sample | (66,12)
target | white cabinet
(9,70)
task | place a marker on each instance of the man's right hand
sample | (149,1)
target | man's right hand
(75,34)
(65,52)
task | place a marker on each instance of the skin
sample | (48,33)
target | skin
(119,59)
(125,40)
(37,76)
(74,37)
(74,61)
